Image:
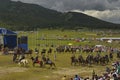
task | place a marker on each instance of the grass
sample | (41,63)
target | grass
(63,68)
(63,60)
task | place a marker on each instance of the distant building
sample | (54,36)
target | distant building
(113,39)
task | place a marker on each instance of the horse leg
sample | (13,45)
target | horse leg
(50,65)
(54,64)
(71,62)
(24,64)
(75,63)
(41,64)
(33,64)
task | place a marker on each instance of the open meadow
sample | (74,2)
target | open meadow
(45,39)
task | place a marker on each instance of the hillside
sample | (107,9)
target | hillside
(23,16)
(83,20)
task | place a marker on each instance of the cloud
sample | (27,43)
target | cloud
(104,9)
(107,15)
(65,5)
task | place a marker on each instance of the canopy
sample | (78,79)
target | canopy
(98,45)
(4,31)
(109,41)
(70,44)
(8,38)
(23,42)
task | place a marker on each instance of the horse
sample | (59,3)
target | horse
(74,60)
(106,59)
(36,61)
(23,62)
(81,59)
(96,59)
(111,56)
(87,50)
(47,61)
(60,49)
(49,51)
(89,59)
(102,60)
(43,51)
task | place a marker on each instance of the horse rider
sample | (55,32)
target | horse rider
(36,59)
(36,51)
(73,59)
(48,61)
(15,55)
(21,57)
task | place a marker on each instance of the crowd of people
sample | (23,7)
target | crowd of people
(112,73)
(86,48)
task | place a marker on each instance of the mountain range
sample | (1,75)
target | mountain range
(24,16)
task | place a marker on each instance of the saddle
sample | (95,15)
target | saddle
(37,61)
(48,62)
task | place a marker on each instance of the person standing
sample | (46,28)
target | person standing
(118,71)
(76,77)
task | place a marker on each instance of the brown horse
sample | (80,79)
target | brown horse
(47,61)
(36,61)
(74,60)
(81,59)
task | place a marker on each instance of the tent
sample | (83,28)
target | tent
(70,44)
(110,41)
(23,42)
(8,38)
(99,46)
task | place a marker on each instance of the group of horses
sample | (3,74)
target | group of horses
(43,62)
(83,49)
(19,57)
(90,59)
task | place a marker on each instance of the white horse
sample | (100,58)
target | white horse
(23,62)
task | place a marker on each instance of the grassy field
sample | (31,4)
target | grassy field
(12,71)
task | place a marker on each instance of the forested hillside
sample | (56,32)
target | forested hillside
(24,16)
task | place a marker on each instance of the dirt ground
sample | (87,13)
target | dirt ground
(84,71)
(7,70)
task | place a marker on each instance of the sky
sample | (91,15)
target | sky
(108,10)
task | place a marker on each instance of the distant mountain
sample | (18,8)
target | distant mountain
(83,20)
(24,16)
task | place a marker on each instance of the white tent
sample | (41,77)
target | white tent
(98,45)
(109,41)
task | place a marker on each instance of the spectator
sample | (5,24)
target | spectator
(115,77)
(76,77)
(118,70)
(64,78)
(108,70)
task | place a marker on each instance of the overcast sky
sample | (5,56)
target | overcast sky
(108,10)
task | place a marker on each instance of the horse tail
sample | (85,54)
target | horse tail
(53,64)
